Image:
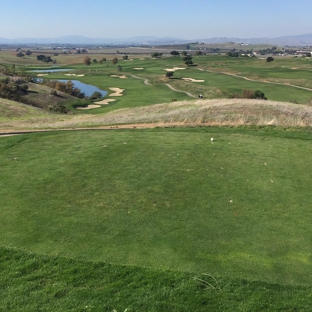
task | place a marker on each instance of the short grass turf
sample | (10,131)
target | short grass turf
(212,69)
(239,206)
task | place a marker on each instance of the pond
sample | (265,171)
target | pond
(88,90)
(51,70)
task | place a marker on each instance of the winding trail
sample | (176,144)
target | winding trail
(254,80)
(145,80)
(187,93)
(167,84)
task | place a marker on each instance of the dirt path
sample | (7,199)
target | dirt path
(187,93)
(145,80)
(6,133)
(167,84)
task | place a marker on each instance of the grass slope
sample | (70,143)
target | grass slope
(167,199)
(10,110)
(31,282)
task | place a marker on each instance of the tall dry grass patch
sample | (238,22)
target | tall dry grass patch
(225,112)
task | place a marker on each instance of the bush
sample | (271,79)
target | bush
(96,95)
(58,108)
(248,94)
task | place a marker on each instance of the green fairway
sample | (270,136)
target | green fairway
(167,199)
(216,76)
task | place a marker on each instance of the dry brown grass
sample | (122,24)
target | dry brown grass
(224,112)
(220,112)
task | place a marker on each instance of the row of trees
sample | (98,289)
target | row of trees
(87,60)
(65,87)
(46,59)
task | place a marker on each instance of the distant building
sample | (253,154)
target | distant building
(304,52)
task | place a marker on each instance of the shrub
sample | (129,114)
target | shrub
(96,95)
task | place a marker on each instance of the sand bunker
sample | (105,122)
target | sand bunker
(193,80)
(39,75)
(105,102)
(117,91)
(89,107)
(74,75)
(174,69)
(121,77)
(138,68)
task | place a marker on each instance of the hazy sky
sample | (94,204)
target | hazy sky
(162,18)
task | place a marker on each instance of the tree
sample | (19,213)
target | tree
(188,60)
(87,61)
(125,57)
(169,74)
(20,54)
(44,58)
(270,59)
(156,54)
(115,60)
(187,47)
(259,95)
(233,54)
(197,53)
(103,59)
(94,61)
(96,95)
(184,53)
(175,53)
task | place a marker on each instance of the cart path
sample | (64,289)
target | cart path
(145,80)
(187,93)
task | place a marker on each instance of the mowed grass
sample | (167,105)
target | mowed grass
(237,207)
(212,71)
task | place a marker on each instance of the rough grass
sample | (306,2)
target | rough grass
(33,282)
(234,112)
(10,110)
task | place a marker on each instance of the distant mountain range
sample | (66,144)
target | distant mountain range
(299,40)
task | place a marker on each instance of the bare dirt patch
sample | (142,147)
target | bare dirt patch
(174,68)
(74,75)
(118,76)
(105,102)
(117,91)
(193,80)
(92,106)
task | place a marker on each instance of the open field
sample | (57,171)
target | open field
(162,201)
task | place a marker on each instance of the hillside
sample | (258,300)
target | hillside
(223,112)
